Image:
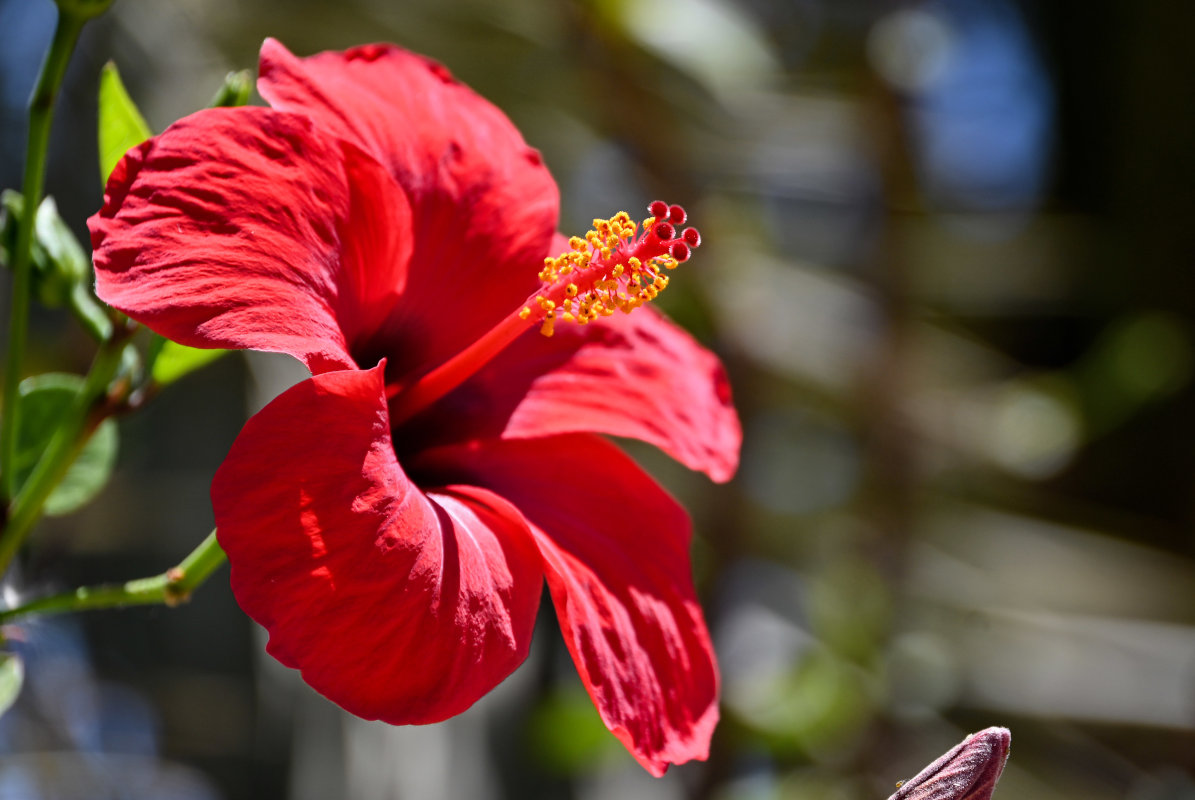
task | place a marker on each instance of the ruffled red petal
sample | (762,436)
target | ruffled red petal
(636,375)
(397,605)
(484,205)
(616,552)
(246,228)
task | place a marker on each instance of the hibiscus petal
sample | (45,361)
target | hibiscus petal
(636,375)
(396,605)
(483,203)
(244,228)
(616,551)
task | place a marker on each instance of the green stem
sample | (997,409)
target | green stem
(172,587)
(41,114)
(70,437)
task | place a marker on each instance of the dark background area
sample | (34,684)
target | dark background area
(948,265)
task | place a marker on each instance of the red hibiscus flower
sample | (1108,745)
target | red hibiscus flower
(390,521)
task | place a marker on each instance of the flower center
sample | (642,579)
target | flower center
(614,267)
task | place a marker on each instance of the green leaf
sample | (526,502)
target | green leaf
(61,270)
(173,360)
(46,400)
(60,244)
(12,675)
(121,124)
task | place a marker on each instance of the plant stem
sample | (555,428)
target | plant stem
(86,414)
(41,114)
(172,587)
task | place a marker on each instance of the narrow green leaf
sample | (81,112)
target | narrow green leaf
(46,400)
(121,124)
(173,360)
(12,675)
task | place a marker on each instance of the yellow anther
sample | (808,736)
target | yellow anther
(602,274)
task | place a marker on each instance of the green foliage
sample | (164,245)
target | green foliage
(819,707)
(121,125)
(567,734)
(12,675)
(234,91)
(59,246)
(58,260)
(171,360)
(61,273)
(46,402)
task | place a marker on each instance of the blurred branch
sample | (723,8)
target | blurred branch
(172,587)
(41,115)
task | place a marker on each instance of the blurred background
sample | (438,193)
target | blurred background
(947,264)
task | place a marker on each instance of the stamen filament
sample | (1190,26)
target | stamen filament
(433,385)
(610,269)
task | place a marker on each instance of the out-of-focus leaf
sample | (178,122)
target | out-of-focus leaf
(61,264)
(12,675)
(121,124)
(61,271)
(173,361)
(12,206)
(46,401)
(59,243)
(567,734)
(713,41)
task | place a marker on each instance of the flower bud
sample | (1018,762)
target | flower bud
(968,771)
